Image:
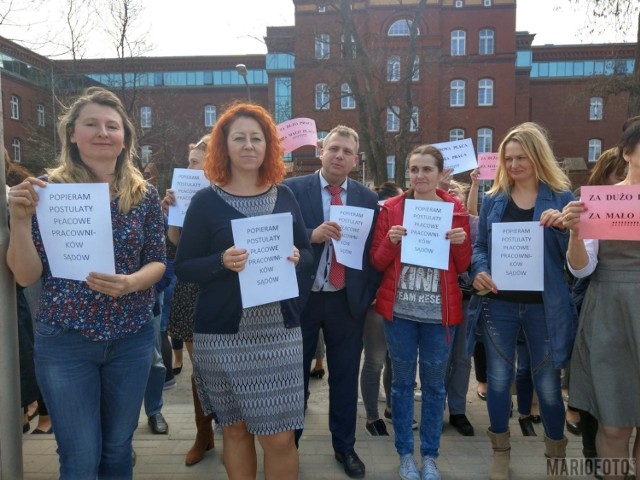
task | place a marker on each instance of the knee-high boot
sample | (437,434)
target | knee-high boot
(501,455)
(204,435)
(556,451)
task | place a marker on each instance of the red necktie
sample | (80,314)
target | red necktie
(336,274)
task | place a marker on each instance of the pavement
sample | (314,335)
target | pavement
(161,457)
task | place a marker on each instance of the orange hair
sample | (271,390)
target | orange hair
(217,166)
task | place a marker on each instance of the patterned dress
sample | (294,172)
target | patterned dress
(255,375)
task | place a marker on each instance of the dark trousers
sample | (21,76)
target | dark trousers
(342,333)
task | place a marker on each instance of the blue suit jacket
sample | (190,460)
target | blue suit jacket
(361,285)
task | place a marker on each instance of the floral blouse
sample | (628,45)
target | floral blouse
(138,239)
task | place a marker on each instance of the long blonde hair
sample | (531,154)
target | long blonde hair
(129,184)
(533,140)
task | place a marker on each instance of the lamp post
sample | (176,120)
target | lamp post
(363,161)
(241,68)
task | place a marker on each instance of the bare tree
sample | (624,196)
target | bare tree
(616,15)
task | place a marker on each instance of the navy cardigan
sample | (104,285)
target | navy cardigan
(206,234)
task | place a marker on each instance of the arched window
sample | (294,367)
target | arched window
(393,68)
(322,46)
(401,28)
(457,93)
(322,96)
(485,140)
(485,45)
(347,102)
(456,134)
(210,115)
(485,92)
(595,149)
(458,43)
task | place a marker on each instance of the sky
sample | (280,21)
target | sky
(222,27)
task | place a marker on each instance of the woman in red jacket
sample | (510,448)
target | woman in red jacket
(422,305)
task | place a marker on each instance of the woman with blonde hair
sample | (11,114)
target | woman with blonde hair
(529,186)
(94,338)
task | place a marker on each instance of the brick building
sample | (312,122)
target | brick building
(472,75)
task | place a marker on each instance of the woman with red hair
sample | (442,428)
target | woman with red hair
(247,361)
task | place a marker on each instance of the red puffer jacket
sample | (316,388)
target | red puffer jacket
(385,257)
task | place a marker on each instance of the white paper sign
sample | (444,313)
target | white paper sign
(185,184)
(427,223)
(458,155)
(517,256)
(356,224)
(268,276)
(75,225)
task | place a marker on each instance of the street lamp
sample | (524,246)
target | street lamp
(241,68)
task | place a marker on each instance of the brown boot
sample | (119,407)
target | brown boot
(204,436)
(556,451)
(501,455)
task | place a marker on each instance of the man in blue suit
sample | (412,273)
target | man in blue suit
(339,295)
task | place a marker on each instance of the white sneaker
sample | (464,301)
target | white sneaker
(408,468)
(429,469)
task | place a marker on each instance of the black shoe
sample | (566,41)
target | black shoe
(317,374)
(177,370)
(353,466)
(482,395)
(461,423)
(573,427)
(536,419)
(134,457)
(526,425)
(377,428)
(158,424)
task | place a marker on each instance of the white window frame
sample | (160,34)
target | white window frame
(354,47)
(457,95)
(16,146)
(41,115)
(414,123)
(146,153)
(393,118)
(146,117)
(486,41)
(485,140)
(14,102)
(393,68)
(322,8)
(415,74)
(456,134)
(485,92)
(347,100)
(401,28)
(487,3)
(322,96)
(458,43)
(391,167)
(322,46)
(595,149)
(459,4)
(596,108)
(210,113)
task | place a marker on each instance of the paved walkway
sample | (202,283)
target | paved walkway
(161,457)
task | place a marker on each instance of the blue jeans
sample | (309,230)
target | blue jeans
(500,326)
(524,383)
(153,394)
(405,339)
(93,391)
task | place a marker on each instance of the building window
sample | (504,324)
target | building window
(595,149)
(458,42)
(391,167)
(210,115)
(401,28)
(347,101)
(145,154)
(145,117)
(459,4)
(456,134)
(595,108)
(41,117)
(354,49)
(485,92)
(322,46)
(393,68)
(415,119)
(14,102)
(487,3)
(16,146)
(393,119)
(322,9)
(322,96)
(415,74)
(486,42)
(485,140)
(457,93)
